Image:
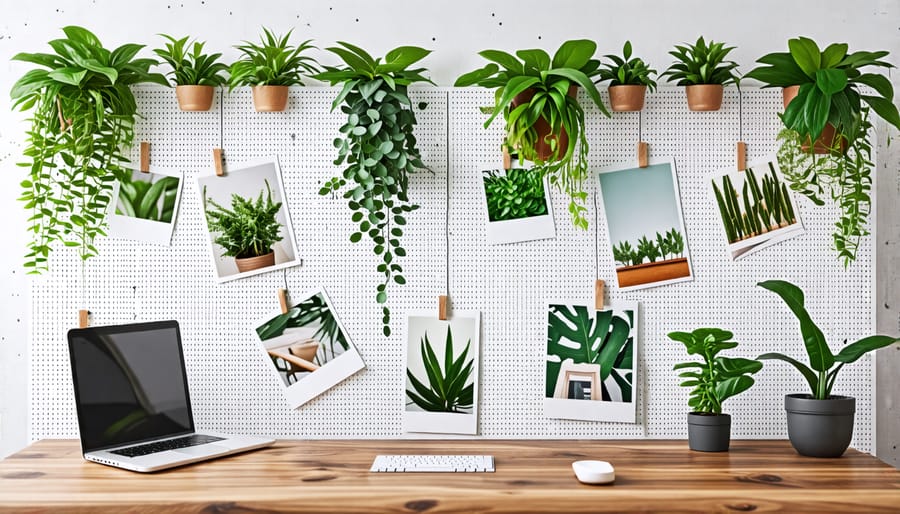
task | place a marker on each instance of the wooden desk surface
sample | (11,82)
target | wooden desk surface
(531,476)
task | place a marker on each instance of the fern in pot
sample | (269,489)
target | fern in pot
(701,67)
(194,74)
(629,79)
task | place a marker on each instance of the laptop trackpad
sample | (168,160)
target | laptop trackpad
(203,449)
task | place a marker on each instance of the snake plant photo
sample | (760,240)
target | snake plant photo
(514,194)
(148,196)
(444,388)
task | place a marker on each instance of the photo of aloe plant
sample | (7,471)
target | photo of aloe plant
(447,388)
(517,203)
(144,206)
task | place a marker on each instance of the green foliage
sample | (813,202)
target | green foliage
(716,378)
(82,113)
(450,389)
(190,66)
(766,205)
(648,249)
(147,200)
(274,62)
(701,63)
(598,337)
(379,148)
(670,244)
(310,311)
(248,229)
(517,193)
(573,65)
(824,365)
(625,71)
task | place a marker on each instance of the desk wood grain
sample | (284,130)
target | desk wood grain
(531,476)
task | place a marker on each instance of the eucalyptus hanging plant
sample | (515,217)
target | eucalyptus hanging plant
(379,149)
(82,114)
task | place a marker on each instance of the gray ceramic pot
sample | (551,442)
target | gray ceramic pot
(709,432)
(820,428)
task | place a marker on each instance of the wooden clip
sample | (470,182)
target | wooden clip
(282,300)
(83,318)
(741,156)
(507,159)
(598,295)
(218,161)
(145,157)
(643,151)
(443,307)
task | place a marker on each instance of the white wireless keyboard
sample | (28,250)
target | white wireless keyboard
(433,464)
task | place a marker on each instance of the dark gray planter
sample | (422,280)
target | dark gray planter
(820,428)
(709,432)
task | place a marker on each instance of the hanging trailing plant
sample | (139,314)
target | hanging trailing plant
(82,114)
(379,149)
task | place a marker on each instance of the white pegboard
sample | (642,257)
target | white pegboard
(231,389)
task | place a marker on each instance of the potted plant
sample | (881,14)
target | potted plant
(712,381)
(303,329)
(269,68)
(629,78)
(820,424)
(379,148)
(195,75)
(826,114)
(544,121)
(664,255)
(248,230)
(82,114)
(702,68)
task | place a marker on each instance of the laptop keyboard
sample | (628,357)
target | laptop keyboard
(169,444)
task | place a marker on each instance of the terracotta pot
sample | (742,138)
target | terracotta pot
(270,98)
(627,98)
(704,97)
(306,350)
(542,150)
(252,263)
(825,142)
(788,94)
(653,272)
(194,98)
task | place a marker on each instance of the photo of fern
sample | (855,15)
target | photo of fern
(148,196)
(513,194)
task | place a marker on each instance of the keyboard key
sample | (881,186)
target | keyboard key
(168,444)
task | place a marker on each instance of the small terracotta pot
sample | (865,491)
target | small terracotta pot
(194,98)
(627,98)
(542,150)
(704,97)
(826,142)
(789,93)
(252,263)
(270,98)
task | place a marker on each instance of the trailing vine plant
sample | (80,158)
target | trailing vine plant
(379,150)
(82,114)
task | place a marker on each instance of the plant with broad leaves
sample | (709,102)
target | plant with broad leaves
(517,193)
(146,199)
(551,82)
(627,71)
(823,365)
(82,114)
(248,229)
(451,389)
(313,310)
(715,379)
(702,63)
(379,148)
(190,66)
(274,62)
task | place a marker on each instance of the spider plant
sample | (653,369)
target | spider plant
(702,68)
(274,62)
(447,389)
(190,66)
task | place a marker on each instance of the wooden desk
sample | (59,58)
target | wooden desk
(532,476)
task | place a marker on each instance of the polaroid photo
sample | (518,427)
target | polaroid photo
(756,208)
(247,220)
(442,366)
(144,206)
(591,362)
(645,225)
(307,348)
(517,206)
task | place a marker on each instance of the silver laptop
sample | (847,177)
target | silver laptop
(131,393)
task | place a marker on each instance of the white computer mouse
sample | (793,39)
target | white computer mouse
(594,471)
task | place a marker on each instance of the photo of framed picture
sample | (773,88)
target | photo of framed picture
(517,206)
(144,206)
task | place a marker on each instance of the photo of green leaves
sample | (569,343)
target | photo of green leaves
(148,196)
(447,387)
(513,194)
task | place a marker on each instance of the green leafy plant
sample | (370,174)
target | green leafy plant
(248,229)
(379,148)
(670,244)
(450,389)
(591,337)
(716,378)
(517,193)
(82,114)
(702,63)
(766,205)
(147,200)
(550,81)
(627,71)
(648,249)
(313,310)
(190,66)
(274,62)
(823,364)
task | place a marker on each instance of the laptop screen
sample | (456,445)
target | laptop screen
(130,383)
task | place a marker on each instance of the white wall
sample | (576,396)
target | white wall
(455,30)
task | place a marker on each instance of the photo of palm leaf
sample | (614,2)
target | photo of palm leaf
(444,389)
(148,196)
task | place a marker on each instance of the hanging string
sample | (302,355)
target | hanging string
(640,126)
(447,206)
(596,232)
(740,115)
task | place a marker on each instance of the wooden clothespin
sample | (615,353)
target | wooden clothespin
(741,156)
(83,318)
(443,307)
(145,157)
(218,162)
(507,159)
(282,299)
(643,153)
(598,295)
